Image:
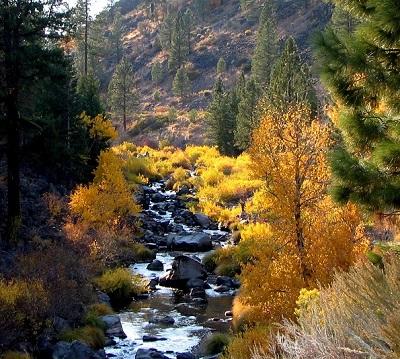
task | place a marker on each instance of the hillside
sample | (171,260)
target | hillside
(226,31)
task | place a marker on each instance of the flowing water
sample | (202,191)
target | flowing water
(192,322)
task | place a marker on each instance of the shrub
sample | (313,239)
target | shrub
(210,261)
(92,317)
(244,344)
(140,253)
(15,355)
(356,317)
(216,343)
(137,168)
(92,336)
(24,309)
(306,297)
(121,285)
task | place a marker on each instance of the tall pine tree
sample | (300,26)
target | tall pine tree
(266,49)
(290,82)
(179,43)
(122,92)
(361,70)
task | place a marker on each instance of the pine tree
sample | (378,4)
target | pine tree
(26,32)
(290,80)
(179,44)
(166,30)
(116,36)
(122,91)
(246,120)
(181,83)
(82,21)
(88,89)
(266,49)
(221,66)
(157,72)
(222,118)
(362,72)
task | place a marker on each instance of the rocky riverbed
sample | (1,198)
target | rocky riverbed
(185,303)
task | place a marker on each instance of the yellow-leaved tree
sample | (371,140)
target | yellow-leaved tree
(108,199)
(309,236)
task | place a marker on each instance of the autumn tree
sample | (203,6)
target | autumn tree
(266,49)
(309,235)
(122,91)
(361,70)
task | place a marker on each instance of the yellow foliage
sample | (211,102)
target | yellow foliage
(99,127)
(108,199)
(308,236)
(306,297)
(15,355)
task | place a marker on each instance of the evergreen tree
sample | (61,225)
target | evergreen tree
(200,8)
(221,66)
(290,80)
(266,49)
(362,72)
(88,90)
(81,21)
(26,30)
(179,43)
(122,91)
(166,30)
(222,118)
(181,83)
(246,120)
(157,72)
(116,36)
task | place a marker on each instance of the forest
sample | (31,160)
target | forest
(200,179)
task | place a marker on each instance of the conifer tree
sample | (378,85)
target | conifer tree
(157,72)
(290,80)
(179,44)
(266,49)
(166,30)
(221,66)
(362,73)
(88,89)
(122,91)
(222,118)
(246,119)
(116,36)
(181,83)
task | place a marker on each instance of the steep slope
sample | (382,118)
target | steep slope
(226,31)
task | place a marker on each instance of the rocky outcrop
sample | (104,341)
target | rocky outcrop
(184,269)
(190,242)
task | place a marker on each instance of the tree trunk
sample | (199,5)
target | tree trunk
(86,35)
(11,46)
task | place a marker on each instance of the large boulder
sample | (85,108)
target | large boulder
(203,220)
(184,269)
(190,242)
(113,326)
(156,265)
(75,350)
(149,354)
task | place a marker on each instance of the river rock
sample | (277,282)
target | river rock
(152,338)
(156,265)
(195,283)
(153,283)
(103,298)
(184,268)
(75,350)
(191,242)
(185,356)
(202,220)
(198,293)
(113,326)
(222,289)
(149,354)
(167,320)
(157,197)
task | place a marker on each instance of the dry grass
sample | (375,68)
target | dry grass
(356,317)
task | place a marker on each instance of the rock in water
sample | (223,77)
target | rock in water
(149,354)
(113,326)
(184,269)
(203,220)
(156,265)
(75,350)
(191,242)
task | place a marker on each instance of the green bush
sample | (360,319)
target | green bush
(216,343)
(121,285)
(141,253)
(210,261)
(94,313)
(92,336)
